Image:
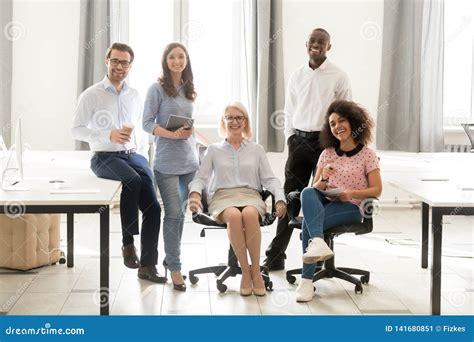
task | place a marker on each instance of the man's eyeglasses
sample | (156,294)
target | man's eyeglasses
(230,118)
(116,62)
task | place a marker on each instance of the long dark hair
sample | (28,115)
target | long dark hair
(187,76)
(359,118)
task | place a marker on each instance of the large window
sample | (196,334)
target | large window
(213,38)
(211,30)
(150,30)
(458,63)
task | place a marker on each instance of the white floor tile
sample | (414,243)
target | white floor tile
(84,303)
(185,303)
(39,304)
(16,283)
(282,302)
(232,303)
(53,283)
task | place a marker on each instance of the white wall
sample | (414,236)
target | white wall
(356,37)
(45,60)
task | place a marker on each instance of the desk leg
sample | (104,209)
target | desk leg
(104,260)
(437,233)
(70,240)
(425,211)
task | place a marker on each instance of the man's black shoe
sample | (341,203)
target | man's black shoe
(130,258)
(274,264)
(150,273)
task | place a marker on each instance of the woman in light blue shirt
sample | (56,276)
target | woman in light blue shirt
(238,168)
(175,155)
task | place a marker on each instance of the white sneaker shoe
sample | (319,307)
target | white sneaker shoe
(305,290)
(317,250)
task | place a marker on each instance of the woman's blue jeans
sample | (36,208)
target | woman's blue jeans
(174,194)
(320,214)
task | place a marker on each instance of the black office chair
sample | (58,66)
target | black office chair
(232,268)
(328,269)
(469,129)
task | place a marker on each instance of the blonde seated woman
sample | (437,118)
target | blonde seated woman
(238,169)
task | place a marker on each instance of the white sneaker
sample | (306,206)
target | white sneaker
(318,250)
(305,290)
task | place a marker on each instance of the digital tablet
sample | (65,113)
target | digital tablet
(176,121)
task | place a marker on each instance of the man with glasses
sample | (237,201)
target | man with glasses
(105,117)
(310,91)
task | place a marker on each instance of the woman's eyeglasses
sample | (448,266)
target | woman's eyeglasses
(230,118)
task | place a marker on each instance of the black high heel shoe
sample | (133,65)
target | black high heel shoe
(177,287)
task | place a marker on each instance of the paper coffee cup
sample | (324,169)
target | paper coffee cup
(128,127)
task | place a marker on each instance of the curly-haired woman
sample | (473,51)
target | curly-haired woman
(346,162)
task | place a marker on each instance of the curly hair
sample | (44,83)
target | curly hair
(187,76)
(359,118)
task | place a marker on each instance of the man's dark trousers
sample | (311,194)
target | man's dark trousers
(303,155)
(138,192)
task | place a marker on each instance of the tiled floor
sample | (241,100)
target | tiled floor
(398,285)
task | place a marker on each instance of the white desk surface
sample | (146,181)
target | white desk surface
(72,167)
(406,170)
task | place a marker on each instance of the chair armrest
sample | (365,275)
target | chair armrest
(269,217)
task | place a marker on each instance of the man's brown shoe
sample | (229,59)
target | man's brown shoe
(150,273)
(130,258)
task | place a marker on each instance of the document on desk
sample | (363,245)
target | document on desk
(63,191)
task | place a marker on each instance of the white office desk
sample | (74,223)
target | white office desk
(72,168)
(443,197)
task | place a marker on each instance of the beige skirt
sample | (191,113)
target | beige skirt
(235,197)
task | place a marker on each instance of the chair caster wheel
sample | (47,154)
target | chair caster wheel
(364,279)
(222,288)
(291,279)
(358,289)
(193,279)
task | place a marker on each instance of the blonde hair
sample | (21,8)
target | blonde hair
(247,132)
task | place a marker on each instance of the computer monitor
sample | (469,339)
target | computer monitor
(469,129)
(12,175)
(3,148)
